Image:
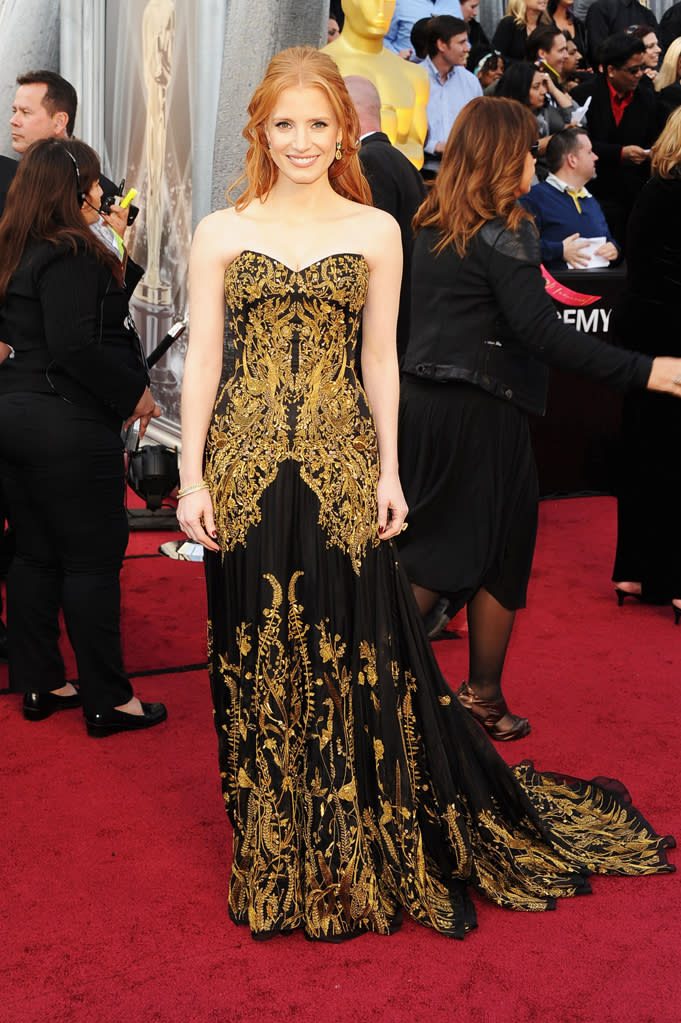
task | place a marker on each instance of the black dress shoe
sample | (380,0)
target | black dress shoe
(40,705)
(112,721)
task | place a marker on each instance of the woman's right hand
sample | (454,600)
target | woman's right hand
(195,515)
(665,375)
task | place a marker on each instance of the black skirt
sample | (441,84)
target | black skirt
(470,480)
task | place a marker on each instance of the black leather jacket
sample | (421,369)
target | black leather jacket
(486,319)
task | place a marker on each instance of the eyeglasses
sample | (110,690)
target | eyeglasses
(534,150)
(635,69)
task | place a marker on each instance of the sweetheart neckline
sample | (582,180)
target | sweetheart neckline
(315,262)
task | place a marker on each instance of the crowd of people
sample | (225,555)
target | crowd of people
(333,518)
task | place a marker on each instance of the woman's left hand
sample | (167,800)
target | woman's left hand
(118,219)
(392,507)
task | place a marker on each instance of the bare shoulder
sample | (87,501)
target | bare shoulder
(377,233)
(219,236)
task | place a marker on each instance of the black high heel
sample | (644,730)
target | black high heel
(677,614)
(622,594)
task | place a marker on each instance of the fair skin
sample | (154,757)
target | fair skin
(469,9)
(31,121)
(555,57)
(301,221)
(527,175)
(451,53)
(576,170)
(533,12)
(333,30)
(652,55)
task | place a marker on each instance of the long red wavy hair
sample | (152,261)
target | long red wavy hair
(301,66)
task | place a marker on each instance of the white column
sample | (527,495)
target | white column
(82,62)
(29,41)
(204,99)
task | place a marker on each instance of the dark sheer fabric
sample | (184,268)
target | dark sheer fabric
(356,785)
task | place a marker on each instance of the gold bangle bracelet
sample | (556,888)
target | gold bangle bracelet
(192,488)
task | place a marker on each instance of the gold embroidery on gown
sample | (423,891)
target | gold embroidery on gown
(294,396)
(355,785)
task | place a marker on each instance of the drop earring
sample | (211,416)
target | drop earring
(339,151)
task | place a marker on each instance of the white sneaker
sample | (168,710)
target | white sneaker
(182,550)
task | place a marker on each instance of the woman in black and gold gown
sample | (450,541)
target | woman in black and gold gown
(356,785)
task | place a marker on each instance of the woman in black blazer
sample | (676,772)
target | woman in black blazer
(75,375)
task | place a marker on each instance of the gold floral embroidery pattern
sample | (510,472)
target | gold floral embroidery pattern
(310,851)
(294,395)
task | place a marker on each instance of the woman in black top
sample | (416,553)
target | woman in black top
(474,367)
(648,559)
(521,19)
(76,374)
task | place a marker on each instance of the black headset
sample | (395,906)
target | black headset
(80,194)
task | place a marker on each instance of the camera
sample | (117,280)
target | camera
(107,201)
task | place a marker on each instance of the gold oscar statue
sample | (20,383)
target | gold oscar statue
(158,35)
(402,86)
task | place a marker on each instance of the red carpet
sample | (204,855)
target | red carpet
(115,852)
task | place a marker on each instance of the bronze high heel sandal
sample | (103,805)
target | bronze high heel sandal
(488,712)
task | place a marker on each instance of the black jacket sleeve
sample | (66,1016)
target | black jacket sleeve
(73,309)
(518,287)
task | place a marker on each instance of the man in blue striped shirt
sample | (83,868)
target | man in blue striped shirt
(451,85)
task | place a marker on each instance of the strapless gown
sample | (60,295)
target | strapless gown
(356,785)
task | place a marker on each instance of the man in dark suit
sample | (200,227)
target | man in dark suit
(396,185)
(623,121)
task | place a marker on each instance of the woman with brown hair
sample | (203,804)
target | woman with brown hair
(474,368)
(75,374)
(356,785)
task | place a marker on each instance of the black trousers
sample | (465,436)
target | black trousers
(61,469)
